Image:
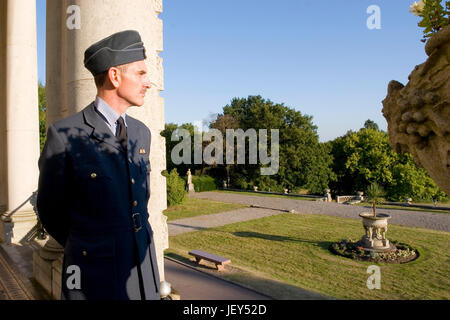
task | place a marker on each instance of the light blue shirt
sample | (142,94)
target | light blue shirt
(108,114)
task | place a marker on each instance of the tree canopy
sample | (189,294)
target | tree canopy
(42,106)
(369,124)
(364,157)
(304,163)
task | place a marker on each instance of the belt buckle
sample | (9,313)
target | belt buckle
(139,227)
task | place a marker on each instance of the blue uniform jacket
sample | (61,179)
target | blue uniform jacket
(92,199)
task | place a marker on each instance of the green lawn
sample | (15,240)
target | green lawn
(292,249)
(266,195)
(192,207)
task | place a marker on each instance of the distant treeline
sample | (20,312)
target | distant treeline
(345,165)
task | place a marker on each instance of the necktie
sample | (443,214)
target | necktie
(122,135)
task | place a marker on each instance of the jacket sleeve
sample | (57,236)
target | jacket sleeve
(52,190)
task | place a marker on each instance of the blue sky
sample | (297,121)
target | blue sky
(318,57)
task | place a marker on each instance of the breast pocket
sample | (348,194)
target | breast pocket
(97,187)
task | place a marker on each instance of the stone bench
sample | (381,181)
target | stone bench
(219,261)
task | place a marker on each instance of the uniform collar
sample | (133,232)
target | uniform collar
(100,128)
(108,113)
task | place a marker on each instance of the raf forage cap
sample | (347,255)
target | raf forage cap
(115,50)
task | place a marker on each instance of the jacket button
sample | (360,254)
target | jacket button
(93,175)
(129,160)
(132,181)
(135,203)
(84,253)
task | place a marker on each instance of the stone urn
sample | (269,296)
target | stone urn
(376,228)
(360,195)
(327,195)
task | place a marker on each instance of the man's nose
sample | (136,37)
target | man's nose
(147,83)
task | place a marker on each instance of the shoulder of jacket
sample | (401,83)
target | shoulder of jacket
(139,124)
(69,121)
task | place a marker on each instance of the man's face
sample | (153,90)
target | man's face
(134,83)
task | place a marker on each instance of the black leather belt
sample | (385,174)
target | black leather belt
(137,221)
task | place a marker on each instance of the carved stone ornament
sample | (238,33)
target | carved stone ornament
(418,114)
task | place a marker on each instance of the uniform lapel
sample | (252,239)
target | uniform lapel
(100,131)
(132,136)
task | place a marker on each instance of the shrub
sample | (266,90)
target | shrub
(435,16)
(299,190)
(265,183)
(204,183)
(176,188)
(411,181)
(238,181)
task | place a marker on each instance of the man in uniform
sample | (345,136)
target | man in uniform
(94,182)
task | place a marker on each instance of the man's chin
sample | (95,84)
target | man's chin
(138,103)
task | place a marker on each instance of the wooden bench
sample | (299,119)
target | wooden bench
(219,261)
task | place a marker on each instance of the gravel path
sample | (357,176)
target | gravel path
(218,219)
(428,220)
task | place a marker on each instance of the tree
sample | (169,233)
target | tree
(42,106)
(303,161)
(222,123)
(364,157)
(369,124)
(361,158)
(167,134)
(375,195)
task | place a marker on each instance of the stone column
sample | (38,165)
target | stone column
(54,83)
(3,189)
(47,261)
(21,129)
(75,25)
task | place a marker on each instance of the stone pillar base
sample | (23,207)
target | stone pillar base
(6,228)
(48,274)
(376,245)
(47,266)
(20,227)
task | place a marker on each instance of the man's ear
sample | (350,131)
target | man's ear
(114,77)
